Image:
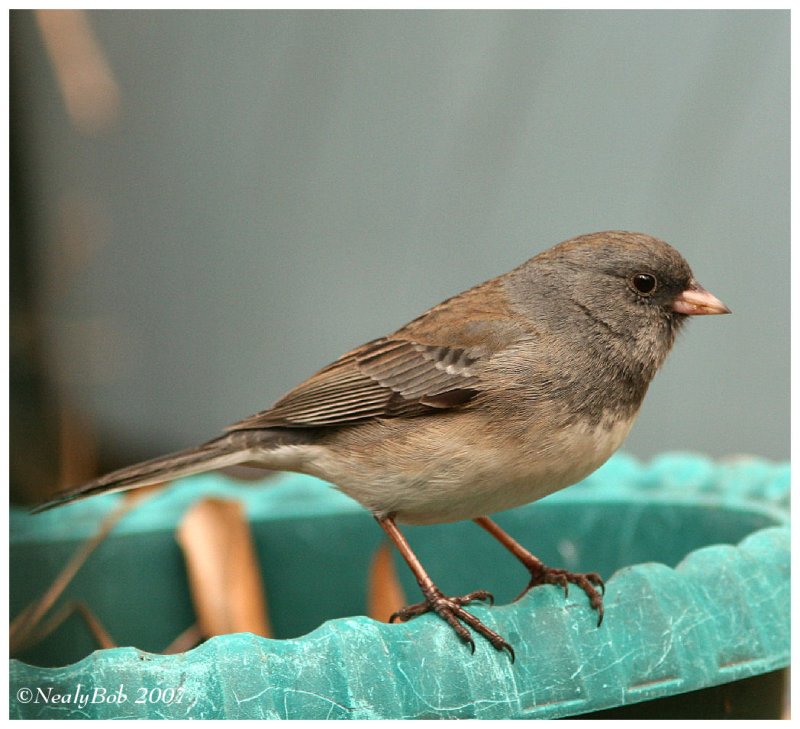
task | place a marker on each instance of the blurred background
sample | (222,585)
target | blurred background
(208,206)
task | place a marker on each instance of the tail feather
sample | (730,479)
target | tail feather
(219,453)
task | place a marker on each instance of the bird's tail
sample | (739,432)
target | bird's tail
(227,450)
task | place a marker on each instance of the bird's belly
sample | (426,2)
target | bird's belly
(428,480)
(489,481)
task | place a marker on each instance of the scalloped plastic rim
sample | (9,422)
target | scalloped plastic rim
(721,615)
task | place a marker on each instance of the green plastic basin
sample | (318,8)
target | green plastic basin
(696,556)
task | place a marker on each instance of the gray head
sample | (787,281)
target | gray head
(616,295)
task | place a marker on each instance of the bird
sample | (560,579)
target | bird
(496,397)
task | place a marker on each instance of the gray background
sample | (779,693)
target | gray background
(282,186)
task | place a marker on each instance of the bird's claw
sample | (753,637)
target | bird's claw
(419,608)
(588,582)
(451,610)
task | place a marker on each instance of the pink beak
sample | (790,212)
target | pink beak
(696,300)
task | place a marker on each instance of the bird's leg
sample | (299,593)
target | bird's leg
(450,609)
(541,574)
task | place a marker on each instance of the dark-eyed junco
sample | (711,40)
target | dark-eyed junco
(496,397)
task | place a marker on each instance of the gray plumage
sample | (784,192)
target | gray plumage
(497,396)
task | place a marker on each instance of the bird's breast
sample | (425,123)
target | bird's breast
(426,471)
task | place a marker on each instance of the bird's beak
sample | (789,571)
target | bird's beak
(696,300)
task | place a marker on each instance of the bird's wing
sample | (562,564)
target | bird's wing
(384,378)
(432,364)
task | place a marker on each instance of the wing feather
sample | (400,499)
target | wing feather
(385,378)
(434,363)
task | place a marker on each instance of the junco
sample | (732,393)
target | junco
(496,397)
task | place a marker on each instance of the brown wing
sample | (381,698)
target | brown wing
(432,364)
(384,378)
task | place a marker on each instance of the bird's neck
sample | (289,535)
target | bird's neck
(622,362)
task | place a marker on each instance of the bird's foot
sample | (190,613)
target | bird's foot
(588,582)
(451,610)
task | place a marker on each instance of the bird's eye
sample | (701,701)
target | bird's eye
(644,283)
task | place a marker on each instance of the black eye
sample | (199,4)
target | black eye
(644,283)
